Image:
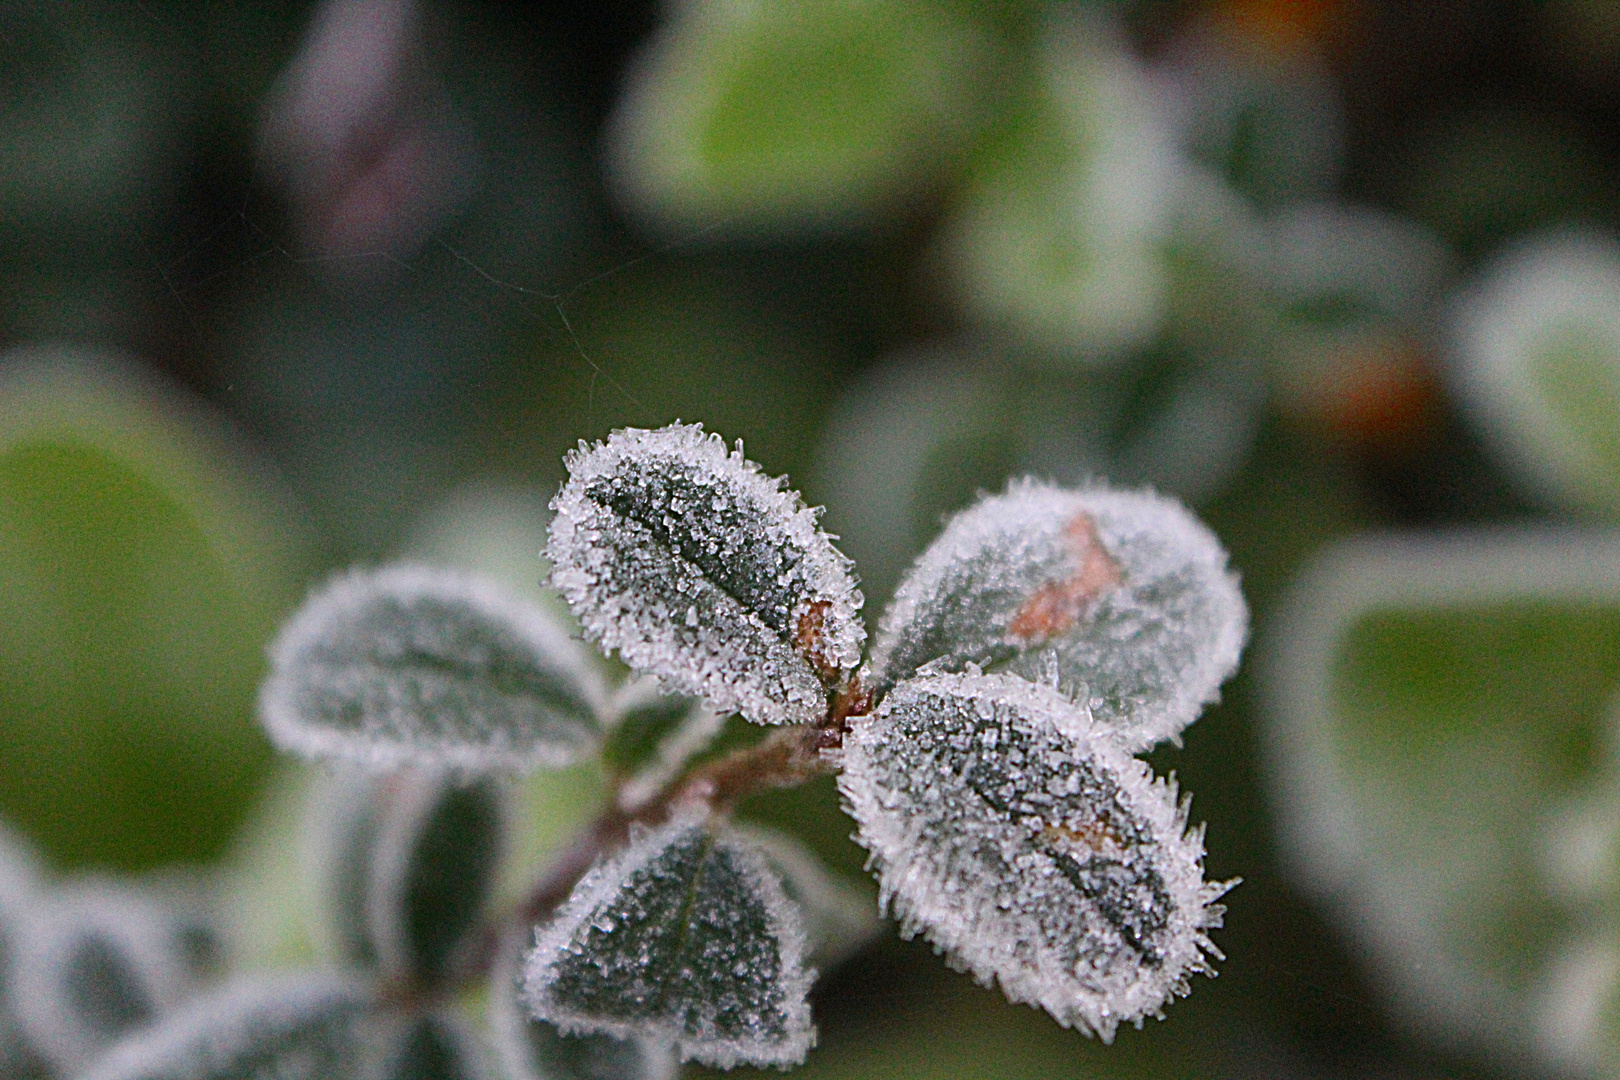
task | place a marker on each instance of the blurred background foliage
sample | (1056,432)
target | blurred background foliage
(288,287)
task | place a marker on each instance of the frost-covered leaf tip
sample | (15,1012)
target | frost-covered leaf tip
(701,570)
(1030,850)
(685,935)
(415,665)
(1123,596)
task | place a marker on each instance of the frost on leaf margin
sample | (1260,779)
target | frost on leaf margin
(531,1049)
(416,665)
(291,1028)
(1029,849)
(685,935)
(1122,595)
(706,573)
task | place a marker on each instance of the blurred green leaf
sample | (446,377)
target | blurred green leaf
(797,114)
(144,560)
(1435,704)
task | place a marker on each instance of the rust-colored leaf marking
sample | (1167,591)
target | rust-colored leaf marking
(1055,606)
(810,637)
(1097,836)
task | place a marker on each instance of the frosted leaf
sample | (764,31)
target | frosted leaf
(289,1028)
(95,961)
(1030,850)
(405,865)
(652,735)
(415,665)
(839,916)
(531,1049)
(687,936)
(706,573)
(1122,596)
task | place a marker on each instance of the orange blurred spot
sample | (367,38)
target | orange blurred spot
(1283,26)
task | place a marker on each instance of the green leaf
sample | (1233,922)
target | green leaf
(1122,598)
(531,1049)
(705,573)
(294,1028)
(407,864)
(1445,763)
(416,665)
(96,961)
(145,557)
(1538,363)
(1059,236)
(686,935)
(795,113)
(1031,848)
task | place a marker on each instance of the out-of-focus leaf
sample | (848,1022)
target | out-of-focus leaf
(1123,599)
(436,1046)
(702,571)
(94,963)
(797,115)
(1031,849)
(411,665)
(1059,237)
(653,735)
(296,1028)
(1440,713)
(1537,361)
(20,887)
(686,936)
(405,864)
(144,560)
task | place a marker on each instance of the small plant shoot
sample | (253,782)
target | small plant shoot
(985,748)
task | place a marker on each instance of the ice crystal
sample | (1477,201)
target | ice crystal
(1029,849)
(1123,597)
(706,573)
(410,664)
(289,1028)
(685,935)
(531,1049)
(653,734)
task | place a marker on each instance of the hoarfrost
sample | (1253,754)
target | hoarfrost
(1046,859)
(289,1028)
(839,916)
(652,735)
(685,935)
(415,665)
(706,573)
(1123,594)
(531,1049)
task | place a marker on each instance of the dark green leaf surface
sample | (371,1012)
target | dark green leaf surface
(436,1047)
(417,665)
(705,573)
(686,936)
(304,1028)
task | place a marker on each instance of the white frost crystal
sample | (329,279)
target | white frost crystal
(430,666)
(1030,850)
(686,935)
(701,570)
(1122,595)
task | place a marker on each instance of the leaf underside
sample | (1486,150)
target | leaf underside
(684,936)
(705,573)
(409,664)
(1122,597)
(1030,850)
